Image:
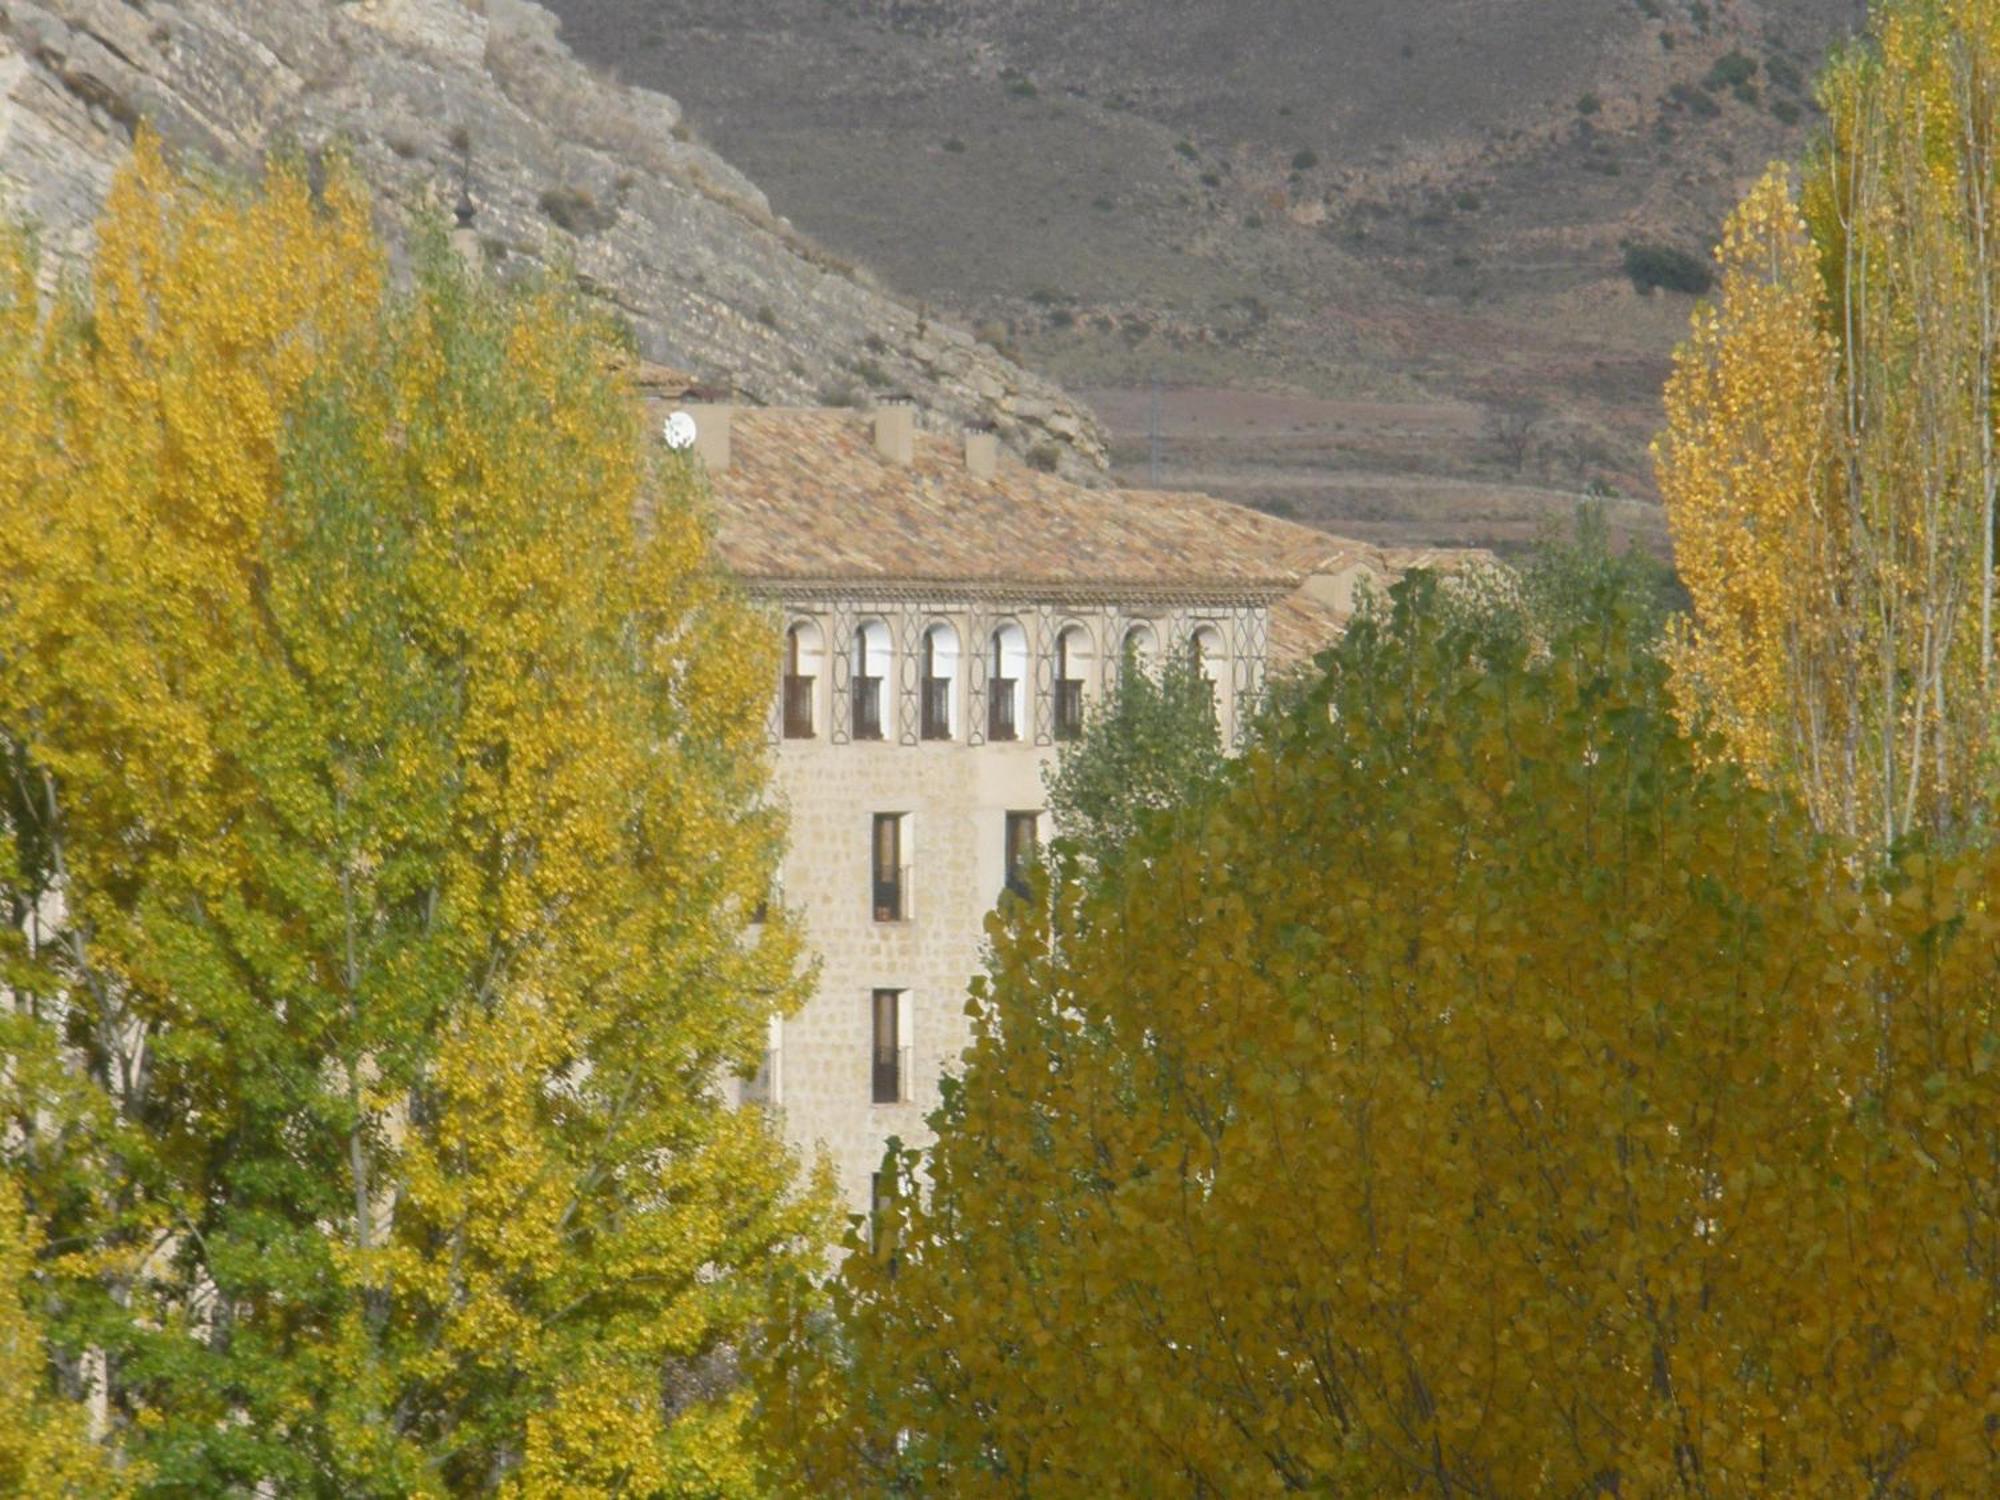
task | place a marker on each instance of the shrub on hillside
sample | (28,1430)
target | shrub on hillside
(1666,267)
(1731,71)
(576,210)
(1695,99)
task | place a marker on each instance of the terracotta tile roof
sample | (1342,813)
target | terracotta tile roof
(806,496)
(1301,628)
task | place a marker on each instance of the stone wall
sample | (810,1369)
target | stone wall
(956,795)
(956,799)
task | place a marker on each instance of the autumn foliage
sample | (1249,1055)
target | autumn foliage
(1544,1062)
(1829,466)
(1490,1096)
(385,814)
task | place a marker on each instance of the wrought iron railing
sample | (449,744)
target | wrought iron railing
(937,708)
(867,708)
(1001,723)
(799,706)
(1069,710)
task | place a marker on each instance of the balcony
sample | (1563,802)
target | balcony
(1069,710)
(1000,719)
(892,1075)
(867,693)
(937,708)
(799,706)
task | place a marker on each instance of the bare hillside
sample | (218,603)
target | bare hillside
(1374,252)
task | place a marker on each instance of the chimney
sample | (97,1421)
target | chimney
(896,433)
(711,435)
(982,454)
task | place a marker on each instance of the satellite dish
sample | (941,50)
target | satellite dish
(679,432)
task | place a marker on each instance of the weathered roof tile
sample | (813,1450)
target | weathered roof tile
(807,496)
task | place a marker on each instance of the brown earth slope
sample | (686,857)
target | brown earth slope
(1372,251)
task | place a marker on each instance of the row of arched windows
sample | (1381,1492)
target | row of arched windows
(1007,674)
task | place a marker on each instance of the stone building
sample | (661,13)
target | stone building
(948,618)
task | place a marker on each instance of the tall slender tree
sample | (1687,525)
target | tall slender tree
(1829,465)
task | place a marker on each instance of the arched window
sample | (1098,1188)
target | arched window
(1076,653)
(1141,649)
(871,670)
(940,684)
(1209,657)
(804,661)
(1006,683)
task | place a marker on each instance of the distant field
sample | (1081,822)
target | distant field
(1362,468)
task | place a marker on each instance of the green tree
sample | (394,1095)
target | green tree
(45,1447)
(389,814)
(1491,1096)
(1574,577)
(1151,746)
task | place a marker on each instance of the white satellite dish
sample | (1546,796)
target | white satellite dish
(679,432)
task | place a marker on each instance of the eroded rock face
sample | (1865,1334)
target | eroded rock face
(563,167)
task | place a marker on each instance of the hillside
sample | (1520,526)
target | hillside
(563,167)
(1374,252)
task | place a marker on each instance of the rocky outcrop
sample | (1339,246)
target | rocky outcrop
(562,167)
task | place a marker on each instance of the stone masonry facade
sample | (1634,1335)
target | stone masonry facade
(953,797)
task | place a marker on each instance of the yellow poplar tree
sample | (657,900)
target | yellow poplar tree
(142,447)
(45,1447)
(389,824)
(1490,1096)
(1829,464)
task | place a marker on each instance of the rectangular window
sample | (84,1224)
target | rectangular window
(892,1046)
(890,888)
(1022,836)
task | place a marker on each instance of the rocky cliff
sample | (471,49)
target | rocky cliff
(561,165)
